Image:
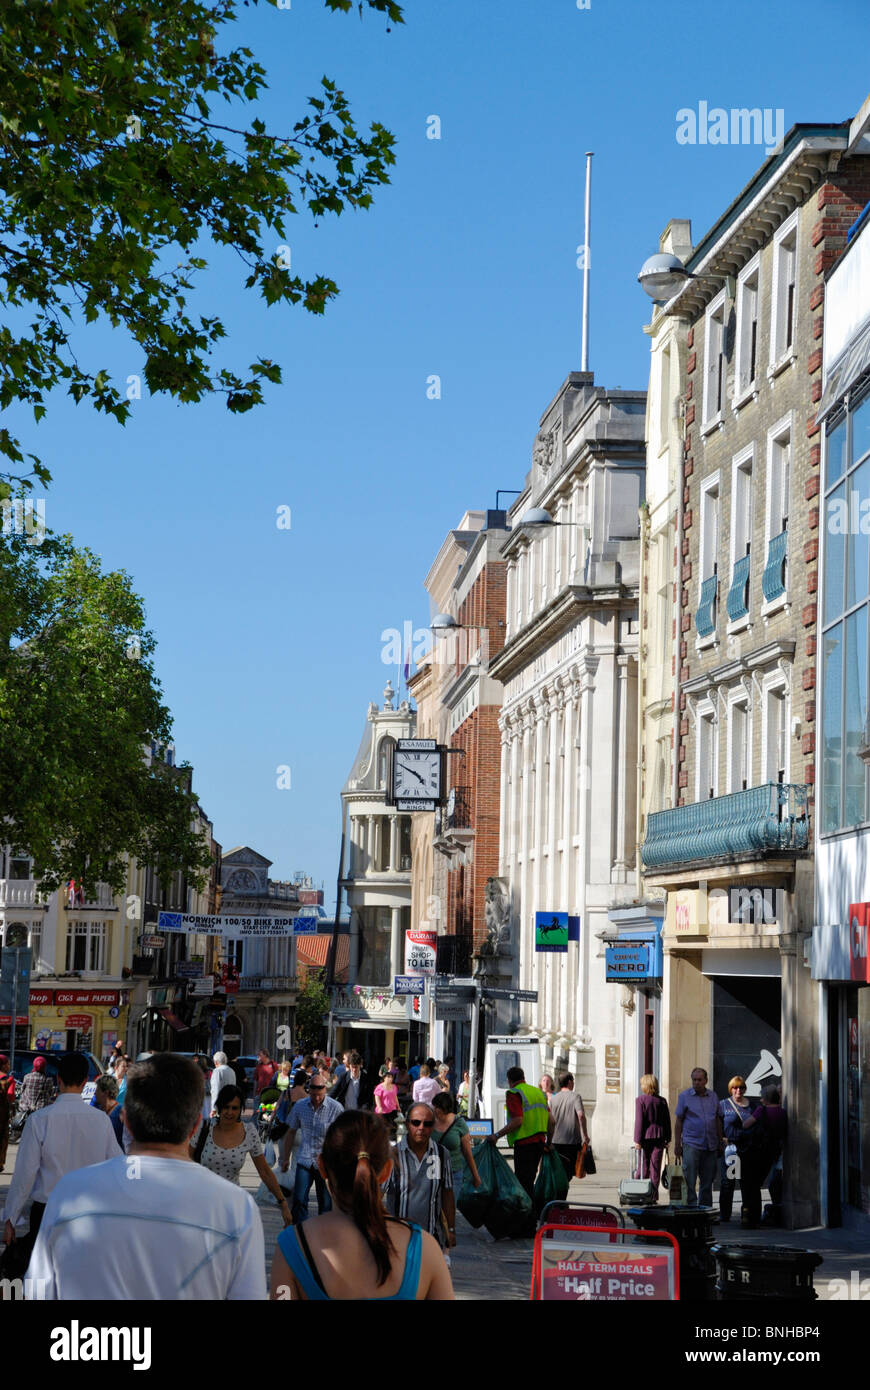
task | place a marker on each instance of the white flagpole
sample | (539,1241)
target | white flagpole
(584,354)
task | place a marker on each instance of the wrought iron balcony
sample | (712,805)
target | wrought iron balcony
(760,821)
(737,602)
(773,580)
(705,618)
(264,983)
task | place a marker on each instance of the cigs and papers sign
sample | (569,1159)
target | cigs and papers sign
(239,928)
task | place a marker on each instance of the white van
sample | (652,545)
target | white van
(502,1054)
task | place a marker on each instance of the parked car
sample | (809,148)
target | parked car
(24,1063)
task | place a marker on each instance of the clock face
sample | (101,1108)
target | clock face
(417,776)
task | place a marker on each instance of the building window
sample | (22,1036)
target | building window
(665,400)
(846,598)
(774,580)
(705,618)
(708,754)
(86,946)
(776,735)
(784,291)
(19,869)
(740,749)
(741,536)
(385,752)
(747,328)
(714,359)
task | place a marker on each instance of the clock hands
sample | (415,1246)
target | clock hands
(413,773)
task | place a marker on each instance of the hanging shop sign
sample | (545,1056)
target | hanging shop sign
(552,931)
(420,952)
(859,960)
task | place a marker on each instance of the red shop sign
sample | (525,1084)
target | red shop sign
(40,996)
(84,1022)
(859,960)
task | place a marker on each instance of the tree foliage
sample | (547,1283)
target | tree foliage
(116,168)
(78,700)
(312,1004)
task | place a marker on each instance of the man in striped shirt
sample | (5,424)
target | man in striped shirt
(420,1186)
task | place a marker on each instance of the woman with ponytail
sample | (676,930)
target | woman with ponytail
(356,1251)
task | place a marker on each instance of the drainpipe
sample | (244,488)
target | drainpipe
(679,611)
(638,826)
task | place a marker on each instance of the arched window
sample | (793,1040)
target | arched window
(384,755)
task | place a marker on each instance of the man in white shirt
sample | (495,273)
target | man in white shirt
(223,1075)
(152,1225)
(56,1140)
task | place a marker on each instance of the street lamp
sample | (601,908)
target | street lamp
(664,275)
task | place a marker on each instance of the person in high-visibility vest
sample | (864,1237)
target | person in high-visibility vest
(529,1127)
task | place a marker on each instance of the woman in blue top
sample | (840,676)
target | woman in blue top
(355,1251)
(737,1163)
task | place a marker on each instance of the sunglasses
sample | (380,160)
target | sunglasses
(317,1088)
(426,1124)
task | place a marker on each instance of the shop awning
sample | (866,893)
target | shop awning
(173,1020)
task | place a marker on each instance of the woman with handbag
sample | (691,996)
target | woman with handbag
(737,1161)
(224,1143)
(652,1128)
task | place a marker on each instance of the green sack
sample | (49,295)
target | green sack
(500,1204)
(474,1202)
(511,1213)
(552,1182)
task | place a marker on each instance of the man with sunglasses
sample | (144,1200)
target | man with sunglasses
(420,1186)
(313,1116)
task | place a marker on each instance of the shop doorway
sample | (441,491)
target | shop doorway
(747,1036)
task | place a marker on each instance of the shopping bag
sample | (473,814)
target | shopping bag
(551,1184)
(676,1183)
(585,1165)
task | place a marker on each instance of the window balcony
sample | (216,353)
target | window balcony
(756,823)
(266,983)
(705,618)
(74,900)
(773,578)
(738,595)
(19,892)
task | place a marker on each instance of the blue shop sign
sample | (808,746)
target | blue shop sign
(634,960)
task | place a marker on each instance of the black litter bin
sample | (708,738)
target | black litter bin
(692,1229)
(764,1271)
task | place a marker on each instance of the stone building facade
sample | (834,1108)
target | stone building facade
(734,855)
(569,727)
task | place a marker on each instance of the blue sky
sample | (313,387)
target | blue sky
(269,641)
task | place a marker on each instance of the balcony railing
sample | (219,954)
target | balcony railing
(767,820)
(19,892)
(74,900)
(737,602)
(459,809)
(705,618)
(773,580)
(266,982)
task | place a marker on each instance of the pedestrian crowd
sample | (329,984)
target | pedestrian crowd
(156,1158)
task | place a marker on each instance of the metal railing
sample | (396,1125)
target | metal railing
(765,820)
(261,982)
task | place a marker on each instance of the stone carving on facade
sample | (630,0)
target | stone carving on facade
(497,914)
(545,449)
(242,881)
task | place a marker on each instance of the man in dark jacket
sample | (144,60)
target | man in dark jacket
(354,1090)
